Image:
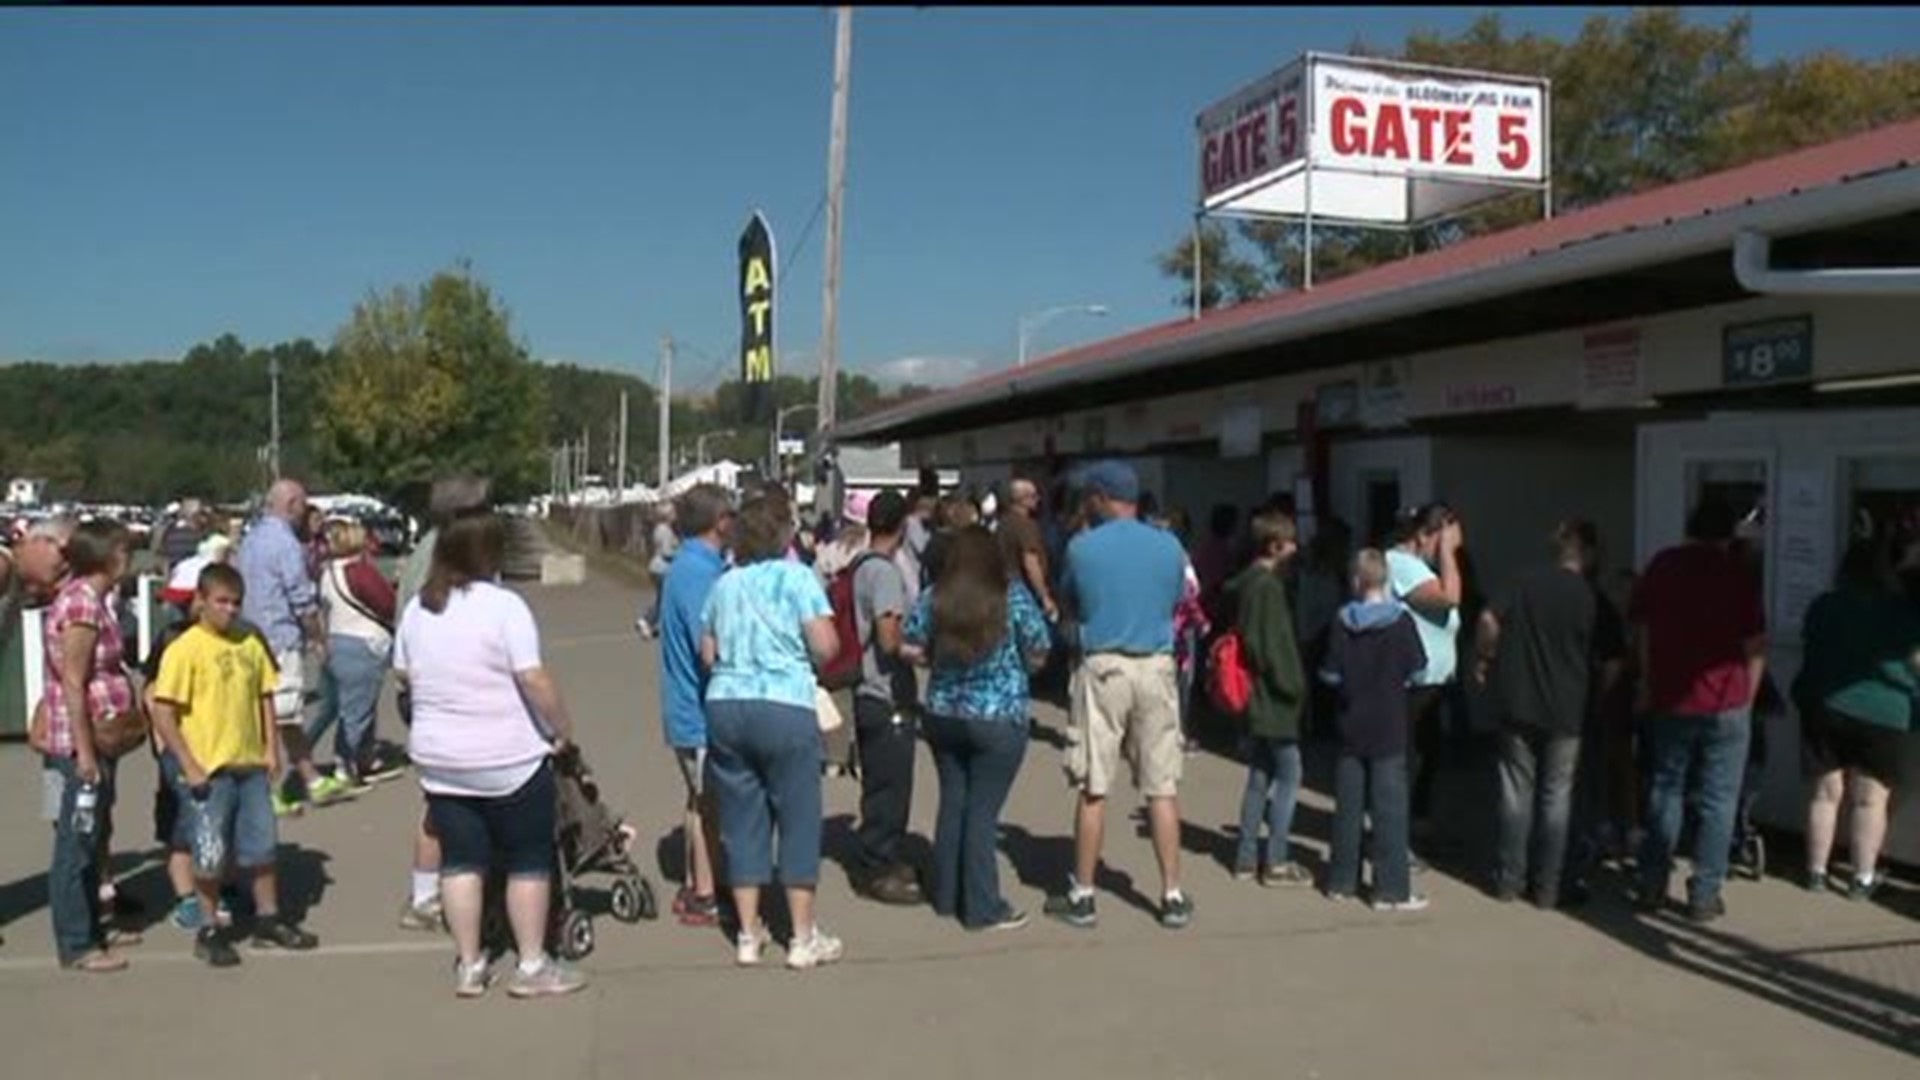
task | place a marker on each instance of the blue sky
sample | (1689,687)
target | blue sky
(169,175)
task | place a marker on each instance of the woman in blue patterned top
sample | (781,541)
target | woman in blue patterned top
(981,634)
(765,625)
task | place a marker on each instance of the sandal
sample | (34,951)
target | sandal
(99,962)
(122,939)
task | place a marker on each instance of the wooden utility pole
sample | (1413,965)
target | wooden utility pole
(836,187)
(620,485)
(666,410)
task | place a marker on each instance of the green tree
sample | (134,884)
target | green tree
(1638,101)
(430,381)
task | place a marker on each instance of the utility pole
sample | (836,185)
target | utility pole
(666,408)
(273,375)
(622,485)
(586,452)
(836,186)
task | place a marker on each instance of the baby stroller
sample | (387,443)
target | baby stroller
(1749,856)
(590,839)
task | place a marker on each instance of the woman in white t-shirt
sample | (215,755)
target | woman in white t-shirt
(1423,568)
(470,654)
(665,544)
(359,601)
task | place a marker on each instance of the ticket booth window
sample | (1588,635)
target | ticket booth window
(1382,506)
(1742,487)
(1882,501)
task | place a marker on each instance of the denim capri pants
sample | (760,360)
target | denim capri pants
(763,768)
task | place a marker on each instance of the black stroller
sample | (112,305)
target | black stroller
(590,839)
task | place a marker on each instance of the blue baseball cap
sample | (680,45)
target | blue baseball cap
(1114,479)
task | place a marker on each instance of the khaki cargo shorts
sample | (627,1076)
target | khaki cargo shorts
(290,692)
(1130,702)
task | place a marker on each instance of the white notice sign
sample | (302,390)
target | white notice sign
(1803,555)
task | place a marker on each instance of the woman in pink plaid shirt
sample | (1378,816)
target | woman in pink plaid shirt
(86,678)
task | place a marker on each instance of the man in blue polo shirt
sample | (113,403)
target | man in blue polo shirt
(1123,578)
(705,517)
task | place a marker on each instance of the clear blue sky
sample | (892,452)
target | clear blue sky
(169,175)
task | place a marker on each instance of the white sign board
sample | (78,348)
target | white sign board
(1240,429)
(1400,122)
(1247,137)
(1611,371)
(1383,393)
(1803,556)
(1345,139)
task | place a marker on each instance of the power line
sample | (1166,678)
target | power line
(805,235)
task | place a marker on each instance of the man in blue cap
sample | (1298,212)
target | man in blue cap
(1123,578)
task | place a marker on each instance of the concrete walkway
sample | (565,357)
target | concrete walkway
(1266,983)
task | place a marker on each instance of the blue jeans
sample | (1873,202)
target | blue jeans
(1377,788)
(763,767)
(1536,770)
(977,761)
(1187,676)
(1718,744)
(349,693)
(234,823)
(1273,788)
(73,880)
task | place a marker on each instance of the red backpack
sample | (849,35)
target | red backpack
(844,669)
(1229,681)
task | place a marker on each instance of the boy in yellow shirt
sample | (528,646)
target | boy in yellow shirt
(213,707)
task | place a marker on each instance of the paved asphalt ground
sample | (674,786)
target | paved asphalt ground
(1266,982)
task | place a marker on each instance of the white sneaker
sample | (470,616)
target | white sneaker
(747,947)
(820,948)
(1416,902)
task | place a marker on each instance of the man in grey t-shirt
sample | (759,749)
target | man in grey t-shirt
(883,719)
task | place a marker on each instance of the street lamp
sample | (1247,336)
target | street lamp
(780,428)
(1030,323)
(700,446)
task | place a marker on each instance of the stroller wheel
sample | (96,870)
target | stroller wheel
(633,900)
(576,936)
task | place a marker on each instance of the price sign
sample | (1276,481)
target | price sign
(1777,350)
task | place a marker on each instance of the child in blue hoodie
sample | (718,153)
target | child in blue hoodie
(1373,653)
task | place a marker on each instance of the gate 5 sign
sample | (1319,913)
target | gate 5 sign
(1776,350)
(1250,135)
(1394,122)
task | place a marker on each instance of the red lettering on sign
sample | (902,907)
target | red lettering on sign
(1459,137)
(1289,127)
(1349,126)
(1515,149)
(1257,138)
(1390,133)
(1424,117)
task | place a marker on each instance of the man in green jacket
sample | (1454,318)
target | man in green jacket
(1265,620)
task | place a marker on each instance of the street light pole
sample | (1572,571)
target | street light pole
(700,446)
(779,429)
(1030,323)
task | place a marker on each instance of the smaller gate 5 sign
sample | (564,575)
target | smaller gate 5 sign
(1771,351)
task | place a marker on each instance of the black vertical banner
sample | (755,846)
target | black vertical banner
(756,322)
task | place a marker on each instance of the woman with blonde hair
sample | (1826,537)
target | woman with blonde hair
(359,605)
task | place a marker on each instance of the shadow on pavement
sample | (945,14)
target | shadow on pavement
(1043,863)
(1787,978)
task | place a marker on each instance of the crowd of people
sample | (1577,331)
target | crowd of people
(944,615)
(1616,719)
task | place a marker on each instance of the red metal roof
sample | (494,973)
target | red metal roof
(1813,167)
